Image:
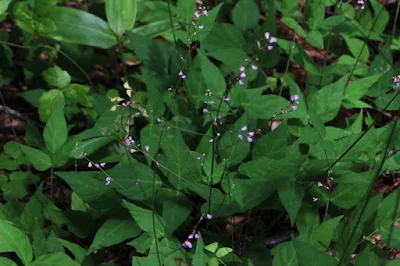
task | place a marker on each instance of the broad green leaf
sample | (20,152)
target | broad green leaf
(369,258)
(388,212)
(78,252)
(213,77)
(321,237)
(32,96)
(54,259)
(289,7)
(144,219)
(134,180)
(55,132)
(32,215)
(76,26)
(285,255)
(90,146)
(358,48)
(4,6)
(316,39)
(309,256)
(151,135)
(317,14)
(359,88)
(121,15)
(273,144)
(113,232)
(40,160)
(246,14)
(91,188)
(56,77)
(298,55)
(176,208)
(7,262)
(351,188)
(48,102)
(186,10)
(79,94)
(291,195)
(14,240)
(327,101)
(199,258)
(12,149)
(265,106)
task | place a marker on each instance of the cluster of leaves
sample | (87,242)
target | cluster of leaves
(205,130)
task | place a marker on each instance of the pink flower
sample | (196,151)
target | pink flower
(108,180)
(205,110)
(251,134)
(270,47)
(241,83)
(240,137)
(242,69)
(147,148)
(209,216)
(187,244)
(197,14)
(294,97)
(314,199)
(272,40)
(242,75)
(244,128)
(266,35)
(254,67)
(294,107)
(90,165)
(201,27)
(249,139)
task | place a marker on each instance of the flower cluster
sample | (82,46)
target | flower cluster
(294,101)
(396,80)
(128,104)
(188,244)
(242,74)
(108,180)
(361,3)
(183,76)
(102,165)
(250,135)
(270,41)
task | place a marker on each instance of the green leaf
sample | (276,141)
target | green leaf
(208,23)
(79,94)
(186,10)
(55,132)
(121,15)
(321,237)
(359,88)
(4,6)
(307,255)
(265,106)
(213,77)
(32,96)
(7,262)
(91,188)
(285,255)
(56,77)
(298,55)
(289,7)
(291,196)
(316,39)
(317,14)
(90,146)
(151,135)
(114,231)
(327,101)
(76,26)
(199,258)
(144,219)
(14,240)
(48,102)
(78,252)
(246,14)
(134,180)
(54,259)
(351,188)
(12,149)
(40,160)
(358,48)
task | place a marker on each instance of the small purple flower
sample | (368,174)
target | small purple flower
(90,165)
(294,107)
(270,47)
(209,216)
(201,27)
(228,100)
(259,44)
(272,40)
(242,75)
(97,165)
(319,184)
(241,83)
(103,165)
(191,236)
(132,150)
(197,14)
(205,110)
(249,139)
(240,137)
(127,142)
(254,68)
(294,97)
(242,69)
(251,134)
(244,128)
(180,74)
(196,236)
(205,12)
(314,199)
(211,140)
(147,148)
(187,244)
(267,35)
(183,77)
(108,180)
(169,89)
(396,79)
